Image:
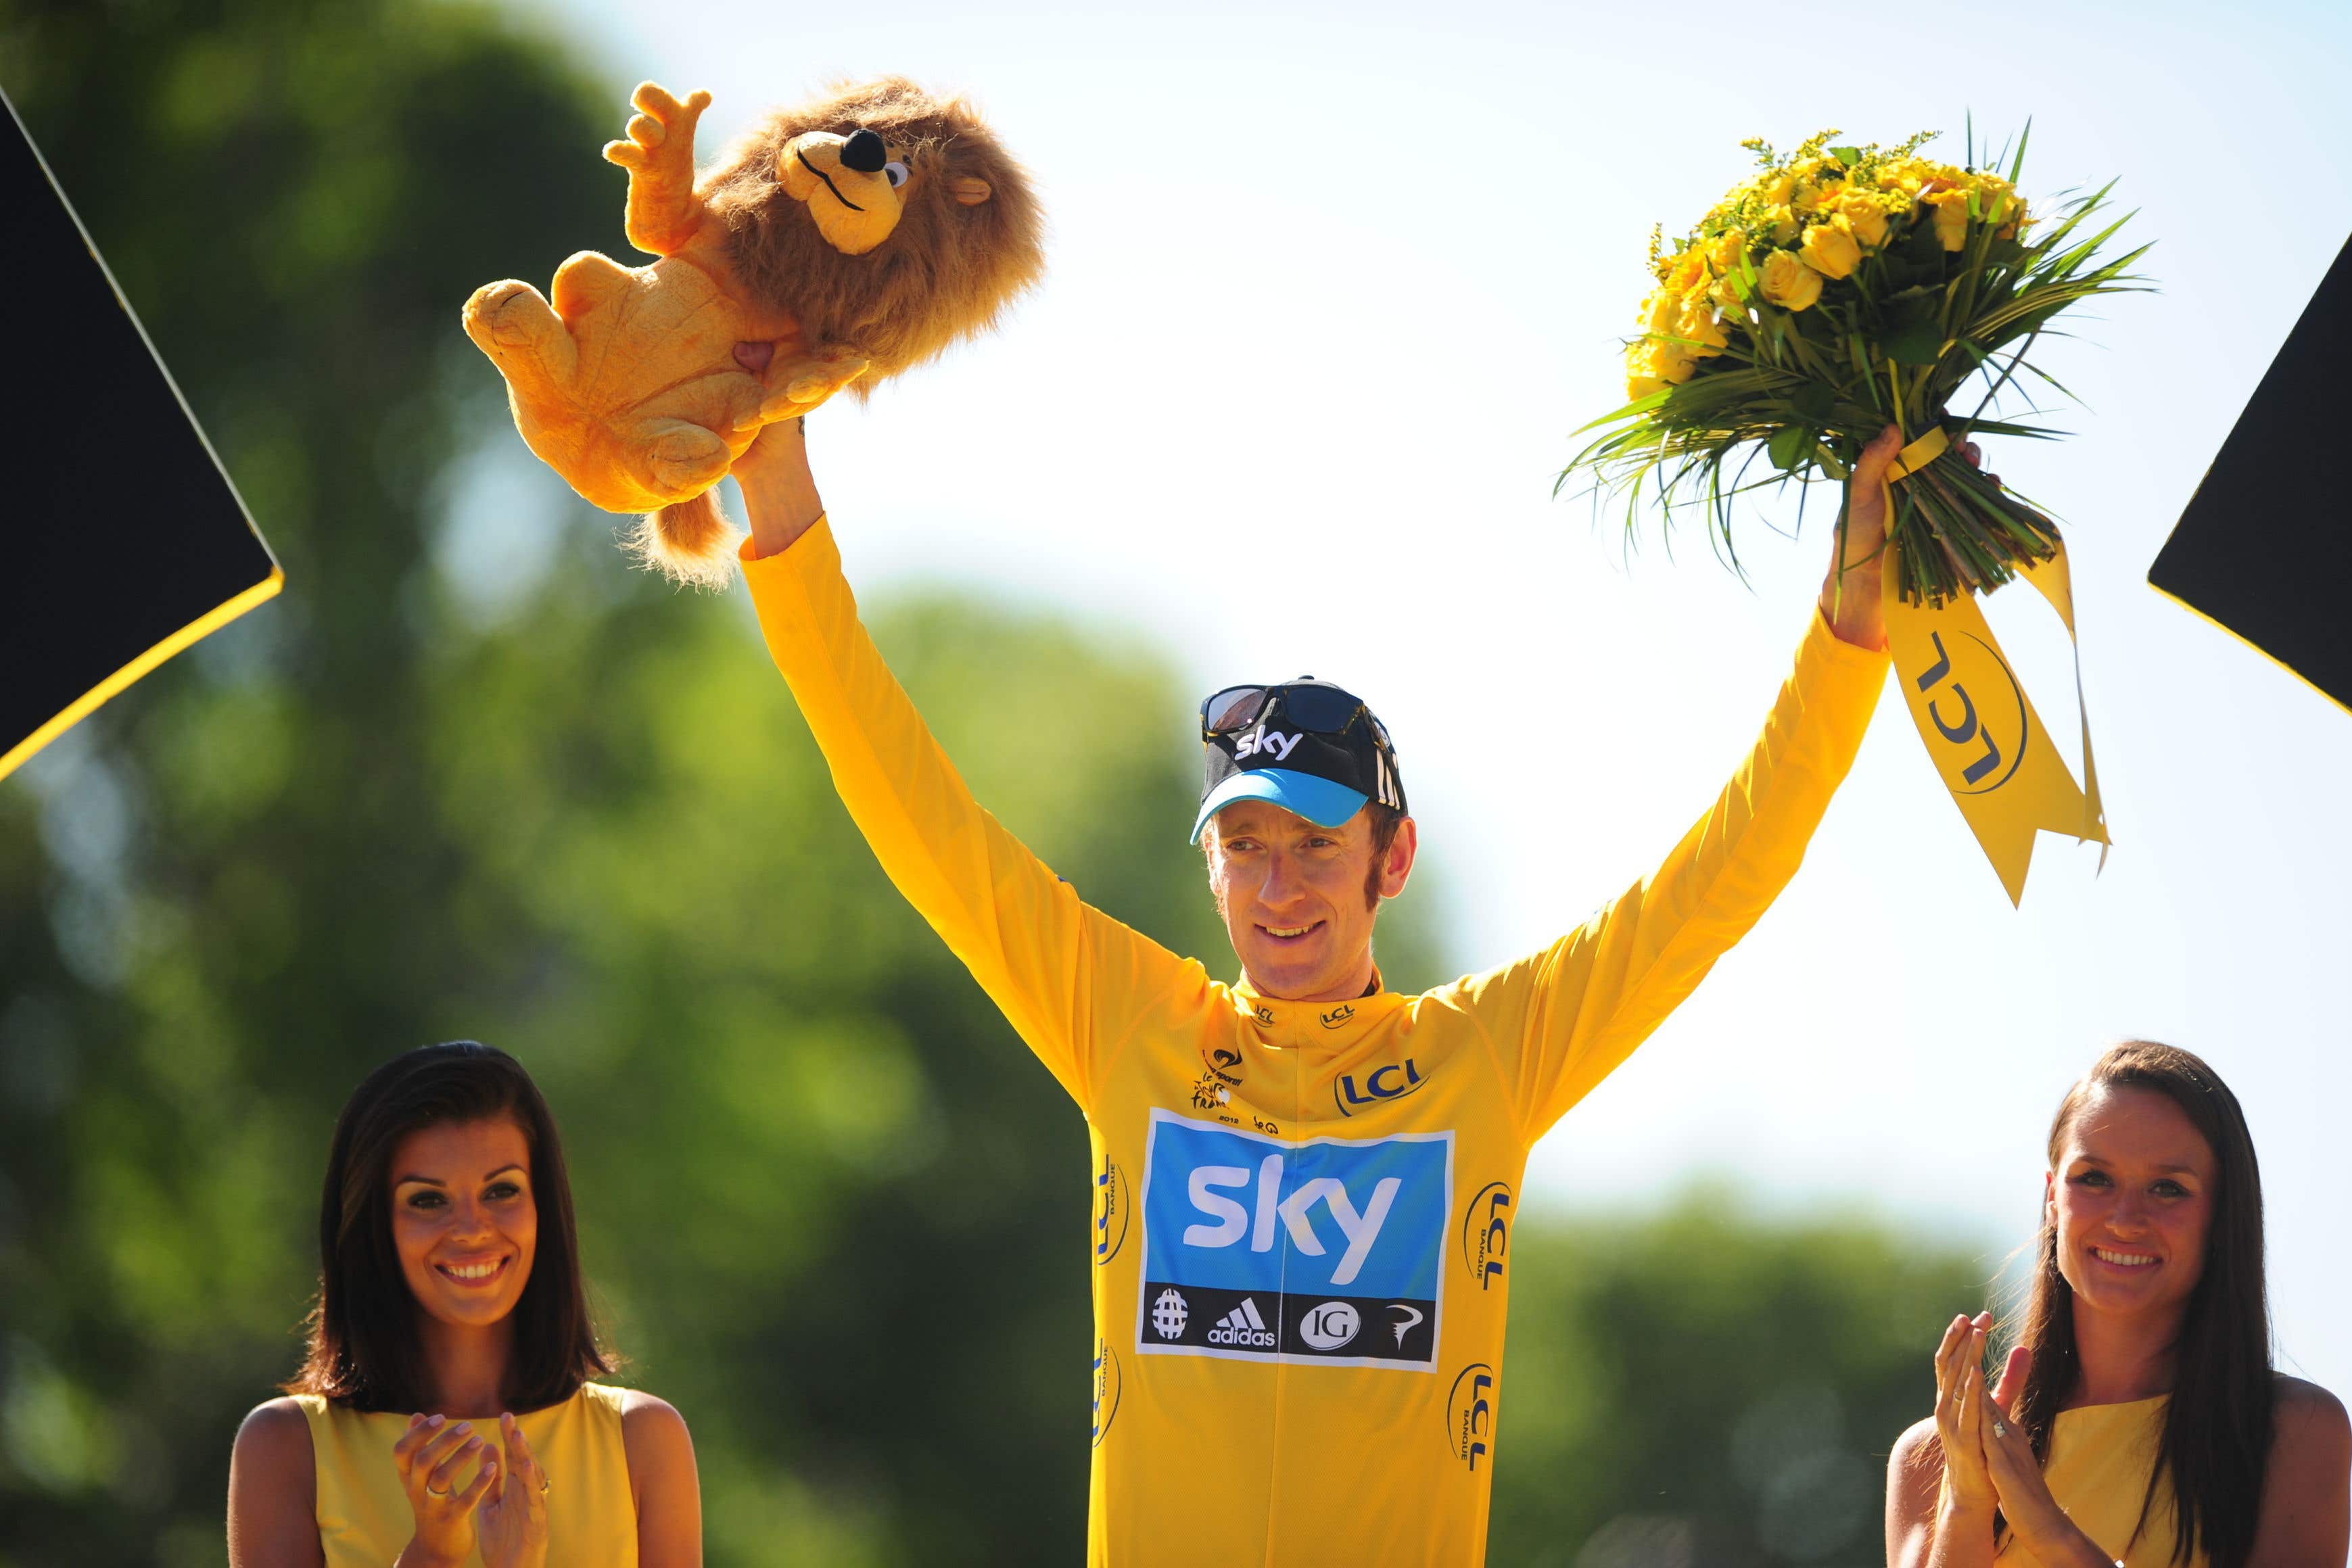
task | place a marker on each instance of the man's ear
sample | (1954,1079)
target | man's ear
(969,189)
(1397,869)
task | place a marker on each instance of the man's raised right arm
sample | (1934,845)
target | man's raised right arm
(1038,952)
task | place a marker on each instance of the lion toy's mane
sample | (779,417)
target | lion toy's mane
(839,242)
(946,272)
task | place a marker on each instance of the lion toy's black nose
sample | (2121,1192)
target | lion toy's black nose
(865,153)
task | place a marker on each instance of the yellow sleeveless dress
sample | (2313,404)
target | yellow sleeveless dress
(365,1519)
(2100,1457)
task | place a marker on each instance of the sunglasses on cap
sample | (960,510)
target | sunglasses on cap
(1317,709)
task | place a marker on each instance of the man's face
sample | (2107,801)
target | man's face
(1294,897)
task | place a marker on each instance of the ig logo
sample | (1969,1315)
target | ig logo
(1330,1325)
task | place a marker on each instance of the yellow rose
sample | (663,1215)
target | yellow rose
(1951,209)
(1788,282)
(1697,324)
(1651,365)
(1660,310)
(1690,270)
(1782,225)
(1778,193)
(1863,218)
(1906,177)
(1830,250)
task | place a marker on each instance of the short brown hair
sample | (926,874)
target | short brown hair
(364,1351)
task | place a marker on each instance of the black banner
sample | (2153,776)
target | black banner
(1178,1318)
(126,542)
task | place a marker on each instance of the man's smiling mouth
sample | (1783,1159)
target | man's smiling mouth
(1290,933)
(829,185)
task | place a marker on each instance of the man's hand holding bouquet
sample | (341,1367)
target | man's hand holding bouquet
(1837,291)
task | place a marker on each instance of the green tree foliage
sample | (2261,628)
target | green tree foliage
(831,1208)
(1709,1387)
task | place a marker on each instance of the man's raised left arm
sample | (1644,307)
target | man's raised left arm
(1564,1019)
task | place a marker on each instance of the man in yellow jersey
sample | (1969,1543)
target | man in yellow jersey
(1304,1183)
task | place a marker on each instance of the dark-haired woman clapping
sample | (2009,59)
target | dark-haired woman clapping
(2137,1420)
(444,1415)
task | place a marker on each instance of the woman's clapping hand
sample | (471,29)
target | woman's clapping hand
(513,1517)
(431,1455)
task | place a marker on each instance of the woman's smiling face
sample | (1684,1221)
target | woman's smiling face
(2133,1196)
(464,1219)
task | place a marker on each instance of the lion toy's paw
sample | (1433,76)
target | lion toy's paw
(803,387)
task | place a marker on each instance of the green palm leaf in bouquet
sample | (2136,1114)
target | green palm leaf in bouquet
(1837,290)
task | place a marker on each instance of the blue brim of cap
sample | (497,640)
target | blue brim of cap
(1320,801)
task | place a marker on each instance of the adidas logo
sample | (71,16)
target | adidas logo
(1243,1326)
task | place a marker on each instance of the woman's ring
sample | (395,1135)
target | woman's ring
(1998,1430)
(432,1491)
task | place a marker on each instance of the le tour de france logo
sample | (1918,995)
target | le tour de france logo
(1975,703)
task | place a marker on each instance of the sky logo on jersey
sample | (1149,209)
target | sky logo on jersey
(1275,1247)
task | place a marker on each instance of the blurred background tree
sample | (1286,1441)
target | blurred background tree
(471,777)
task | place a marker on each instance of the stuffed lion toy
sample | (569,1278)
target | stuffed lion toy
(842,241)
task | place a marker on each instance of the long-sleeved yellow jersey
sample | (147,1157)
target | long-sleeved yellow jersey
(1302,1211)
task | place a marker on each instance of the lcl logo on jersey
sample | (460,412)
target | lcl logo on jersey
(1107,1389)
(1111,1209)
(1487,1233)
(1377,1087)
(1262,1248)
(1470,1414)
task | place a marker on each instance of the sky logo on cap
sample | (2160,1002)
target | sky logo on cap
(1273,742)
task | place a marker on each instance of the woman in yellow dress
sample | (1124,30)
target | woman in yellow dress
(2138,1421)
(444,1415)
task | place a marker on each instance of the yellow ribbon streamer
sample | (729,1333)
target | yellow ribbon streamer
(1981,728)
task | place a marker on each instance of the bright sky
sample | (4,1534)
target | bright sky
(1330,287)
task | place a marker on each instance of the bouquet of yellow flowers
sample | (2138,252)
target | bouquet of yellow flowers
(1835,291)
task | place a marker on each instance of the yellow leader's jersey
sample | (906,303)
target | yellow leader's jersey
(1301,1224)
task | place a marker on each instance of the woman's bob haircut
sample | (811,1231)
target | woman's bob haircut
(365,1351)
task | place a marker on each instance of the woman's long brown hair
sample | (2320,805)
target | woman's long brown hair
(364,1349)
(2217,1429)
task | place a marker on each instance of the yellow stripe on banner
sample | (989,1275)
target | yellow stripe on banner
(2257,647)
(1919,454)
(202,627)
